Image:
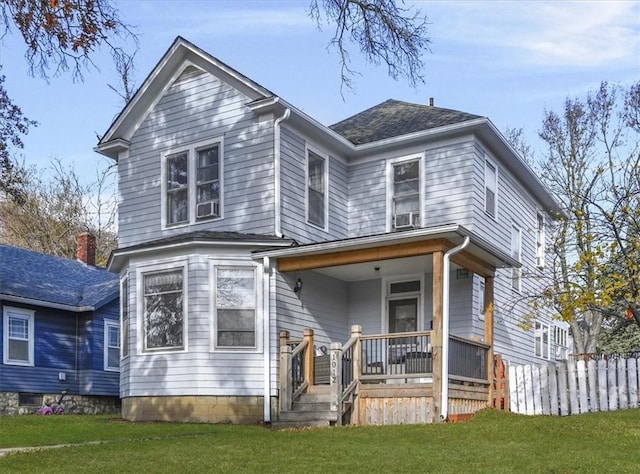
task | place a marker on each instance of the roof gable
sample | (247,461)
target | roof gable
(50,280)
(394,118)
(182,58)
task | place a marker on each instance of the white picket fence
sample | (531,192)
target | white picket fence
(574,387)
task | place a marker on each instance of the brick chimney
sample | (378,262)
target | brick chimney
(86,248)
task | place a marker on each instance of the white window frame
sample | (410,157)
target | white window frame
(539,348)
(166,266)
(324,157)
(10,312)
(387,296)
(110,324)
(192,168)
(540,241)
(516,253)
(481,296)
(258,306)
(561,342)
(125,326)
(491,186)
(391,163)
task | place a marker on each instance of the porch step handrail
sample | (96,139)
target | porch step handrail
(296,368)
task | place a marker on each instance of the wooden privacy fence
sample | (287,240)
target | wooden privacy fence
(573,387)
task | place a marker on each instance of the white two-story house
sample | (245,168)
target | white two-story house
(244,222)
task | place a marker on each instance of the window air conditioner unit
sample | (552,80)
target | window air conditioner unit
(407,220)
(207,209)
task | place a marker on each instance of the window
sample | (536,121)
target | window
(124,316)
(490,188)
(540,242)
(111,345)
(542,340)
(560,338)
(515,253)
(405,194)
(192,184)
(235,307)
(316,189)
(163,310)
(18,336)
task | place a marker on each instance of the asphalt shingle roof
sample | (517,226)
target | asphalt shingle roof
(49,279)
(394,118)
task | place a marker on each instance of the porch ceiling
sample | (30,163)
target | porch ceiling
(405,252)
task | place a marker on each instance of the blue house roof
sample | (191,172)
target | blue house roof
(52,281)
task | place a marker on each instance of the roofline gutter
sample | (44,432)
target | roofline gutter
(46,304)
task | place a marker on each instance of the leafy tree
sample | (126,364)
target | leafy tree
(591,166)
(54,208)
(60,36)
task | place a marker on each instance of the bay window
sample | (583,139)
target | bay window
(235,300)
(163,310)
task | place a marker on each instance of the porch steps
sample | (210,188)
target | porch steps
(310,409)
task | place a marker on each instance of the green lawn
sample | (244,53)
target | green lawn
(491,442)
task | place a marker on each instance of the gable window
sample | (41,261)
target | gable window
(192,184)
(542,340)
(235,307)
(490,188)
(515,253)
(18,336)
(540,242)
(111,346)
(405,194)
(316,189)
(163,310)
(124,316)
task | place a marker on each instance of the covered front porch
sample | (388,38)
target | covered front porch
(397,359)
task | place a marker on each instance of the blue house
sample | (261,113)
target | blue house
(59,330)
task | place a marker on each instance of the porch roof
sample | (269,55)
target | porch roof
(480,256)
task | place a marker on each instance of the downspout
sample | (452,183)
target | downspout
(266,346)
(276,170)
(444,401)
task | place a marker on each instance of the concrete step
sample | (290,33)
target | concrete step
(279,425)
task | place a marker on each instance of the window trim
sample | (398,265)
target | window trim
(29,316)
(541,243)
(192,181)
(325,158)
(165,266)
(110,323)
(516,273)
(482,284)
(388,296)
(124,325)
(214,264)
(494,215)
(390,164)
(541,327)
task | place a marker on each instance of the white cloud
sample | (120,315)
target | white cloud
(546,34)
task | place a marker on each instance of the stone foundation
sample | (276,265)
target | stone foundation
(73,404)
(198,409)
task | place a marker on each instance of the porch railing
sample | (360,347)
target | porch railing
(468,360)
(390,358)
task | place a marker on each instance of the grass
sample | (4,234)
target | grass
(492,442)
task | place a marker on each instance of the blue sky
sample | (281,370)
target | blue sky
(505,60)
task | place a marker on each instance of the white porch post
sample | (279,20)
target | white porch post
(335,376)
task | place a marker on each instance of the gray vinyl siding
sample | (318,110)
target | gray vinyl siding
(514,206)
(197,108)
(199,370)
(367,198)
(293,193)
(322,305)
(448,187)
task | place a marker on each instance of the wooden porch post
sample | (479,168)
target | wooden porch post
(335,379)
(284,393)
(308,356)
(436,333)
(488,331)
